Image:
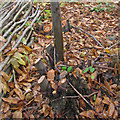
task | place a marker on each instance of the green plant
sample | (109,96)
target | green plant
(90,70)
(69,69)
(48,14)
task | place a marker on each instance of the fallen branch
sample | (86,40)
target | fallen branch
(19,40)
(83,98)
(89,35)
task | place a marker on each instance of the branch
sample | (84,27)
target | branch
(19,40)
(83,98)
(89,35)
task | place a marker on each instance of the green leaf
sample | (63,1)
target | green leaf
(61,70)
(27,59)
(86,70)
(90,67)
(48,11)
(21,61)
(92,70)
(92,77)
(27,24)
(18,36)
(69,69)
(24,41)
(25,52)
(64,67)
(94,98)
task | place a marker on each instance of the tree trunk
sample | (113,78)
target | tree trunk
(57,29)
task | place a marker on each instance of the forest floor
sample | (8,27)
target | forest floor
(84,85)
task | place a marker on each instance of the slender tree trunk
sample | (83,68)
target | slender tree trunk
(57,29)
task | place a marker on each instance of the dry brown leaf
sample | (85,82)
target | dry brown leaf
(115,69)
(2,39)
(18,91)
(11,100)
(111,109)
(50,75)
(25,115)
(106,100)
(38,98)
(51,114)
(62,81)
(53,85)
(98,101)
(5,76)
(6,115)
(11,84)
(107,85)
(63,74)
(17,114)
(115,114)
(88,114)
(19,71)
(6,107)
(82,103)
(46,110)
(27,48)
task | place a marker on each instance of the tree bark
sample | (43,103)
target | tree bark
(57,29)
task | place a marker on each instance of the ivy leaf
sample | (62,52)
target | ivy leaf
(69,69)
(86,70)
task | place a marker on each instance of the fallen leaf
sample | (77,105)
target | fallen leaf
(11,100)
(50,75)
(88,114)
(5,76)
(111,109)
(18,91)
(17,114)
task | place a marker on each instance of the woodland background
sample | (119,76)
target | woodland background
(34,84)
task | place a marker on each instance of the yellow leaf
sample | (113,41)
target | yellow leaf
(107,50)
(27,48)
(18,55)
(21,61)
(49,37)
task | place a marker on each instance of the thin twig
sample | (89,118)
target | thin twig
(8,15)
(9,39)
(83,98)
(89,35)
(18,13)
(18,42)
(114,45)
(73,97)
